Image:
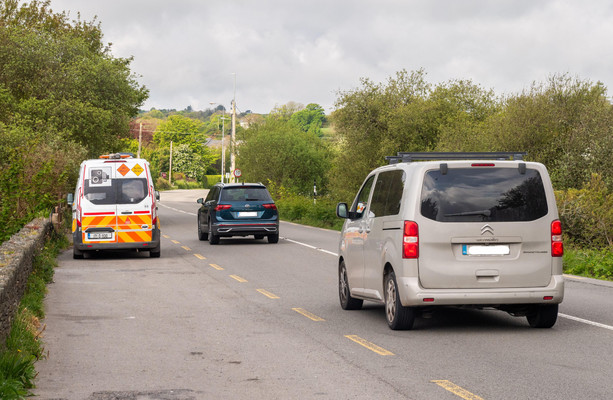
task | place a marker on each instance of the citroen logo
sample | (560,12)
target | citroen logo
(487,229)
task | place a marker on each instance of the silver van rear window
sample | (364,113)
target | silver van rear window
(483,194)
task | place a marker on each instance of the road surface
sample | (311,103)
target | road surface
(246,319)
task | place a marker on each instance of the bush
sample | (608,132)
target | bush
(587,214)
(187,184)
(162,184)
(211,180)
(302,210)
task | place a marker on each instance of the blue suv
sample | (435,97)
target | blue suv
(238,209)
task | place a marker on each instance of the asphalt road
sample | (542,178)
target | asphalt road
(249,320)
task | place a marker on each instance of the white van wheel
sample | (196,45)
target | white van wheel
(398,316)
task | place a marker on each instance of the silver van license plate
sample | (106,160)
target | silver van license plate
(479,250)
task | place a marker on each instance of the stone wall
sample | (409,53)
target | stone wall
(16,255)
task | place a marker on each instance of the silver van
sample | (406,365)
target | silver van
(453,229)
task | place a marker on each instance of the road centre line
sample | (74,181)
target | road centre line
(200,256)
(311,247)
(186,248)
(268,294)
(370,346)
(308,314)
(175,241)
(238,278)
(217,267)
(166,236)
(457,390)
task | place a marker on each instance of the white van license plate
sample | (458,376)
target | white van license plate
(99,235)
(479,250)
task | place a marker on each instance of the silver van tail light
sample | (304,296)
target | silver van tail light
(410,247)
(557,247)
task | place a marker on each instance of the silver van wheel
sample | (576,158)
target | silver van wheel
(398,317)
(344,293)
(543,316)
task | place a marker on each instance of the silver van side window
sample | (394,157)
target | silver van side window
(361,201)
(386,199)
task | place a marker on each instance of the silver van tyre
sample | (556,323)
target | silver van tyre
(344,292)
(201,235)
(213,239)
(543,316)
(398,316)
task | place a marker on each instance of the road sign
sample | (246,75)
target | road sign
(237,173)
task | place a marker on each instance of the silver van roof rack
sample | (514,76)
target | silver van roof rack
(423,156)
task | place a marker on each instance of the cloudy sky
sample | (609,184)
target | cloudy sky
(188,52)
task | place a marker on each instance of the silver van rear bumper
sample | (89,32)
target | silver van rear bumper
(412,294)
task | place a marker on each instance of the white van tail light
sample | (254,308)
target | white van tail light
(557,247)
(410,246)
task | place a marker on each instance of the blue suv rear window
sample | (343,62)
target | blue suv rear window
(483,194)
(245,193)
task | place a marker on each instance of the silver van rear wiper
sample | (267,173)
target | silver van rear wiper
(485,213)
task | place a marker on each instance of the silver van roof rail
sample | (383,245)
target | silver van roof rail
(423,156)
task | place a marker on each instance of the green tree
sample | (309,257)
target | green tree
(279,152)
(63,98)
(565,123)
(191,155)
(311,119)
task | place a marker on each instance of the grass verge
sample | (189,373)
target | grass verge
(591,263)
(23,345)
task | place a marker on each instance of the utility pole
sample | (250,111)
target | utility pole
(170,167)
(140,138)
(233,140)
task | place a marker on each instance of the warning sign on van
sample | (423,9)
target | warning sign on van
(137,169)
(123,170)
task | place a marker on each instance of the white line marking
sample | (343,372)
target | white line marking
(585,321)
(311,247)
(177,210)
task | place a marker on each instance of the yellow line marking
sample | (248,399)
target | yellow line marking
(175,241)
(217,267)
(166,236)
(268,294)
(369,346)
(200,256)
(238,278)
(185,248)
(308,314)
(457,390)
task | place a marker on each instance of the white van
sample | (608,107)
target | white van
(453,229)
(115,206)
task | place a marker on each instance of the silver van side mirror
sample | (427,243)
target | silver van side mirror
(341,210)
